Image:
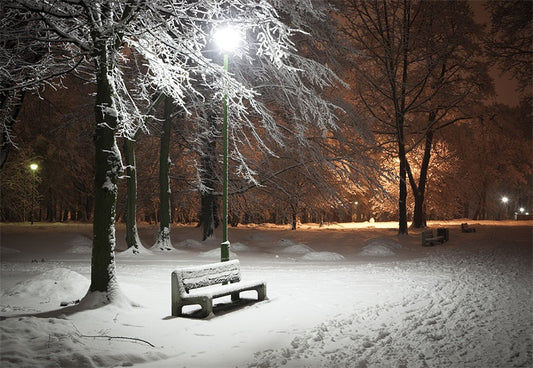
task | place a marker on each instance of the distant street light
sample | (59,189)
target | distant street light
(33,168)
(505,200)
(227,39)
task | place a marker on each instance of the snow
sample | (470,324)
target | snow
(133,252)
(80,244)
(380,248)
(296,249)
(322,256)
(215,253)
(240,247)
(360,296)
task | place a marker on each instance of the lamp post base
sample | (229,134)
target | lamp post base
(224,251)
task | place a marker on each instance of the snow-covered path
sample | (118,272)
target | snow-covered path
(386,302)
(475,311)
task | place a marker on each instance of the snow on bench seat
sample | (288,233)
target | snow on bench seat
(201,284)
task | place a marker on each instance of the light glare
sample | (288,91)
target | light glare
(34,167)
(227,38)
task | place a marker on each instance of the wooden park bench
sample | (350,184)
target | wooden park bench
(201,284)
(466,229)
(443,235)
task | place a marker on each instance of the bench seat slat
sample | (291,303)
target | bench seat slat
(211,274)
(217,291)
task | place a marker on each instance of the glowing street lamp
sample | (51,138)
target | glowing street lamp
(33,168)
(505,200)
(227,39)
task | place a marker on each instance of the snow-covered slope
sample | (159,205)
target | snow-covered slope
(357,297)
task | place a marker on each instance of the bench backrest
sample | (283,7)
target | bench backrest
(206,275)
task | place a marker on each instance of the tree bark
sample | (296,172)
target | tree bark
(402,200)
(419,191)
(294,217)
(132,235)
(209,219)
(107,169)
(163,236)
(400,110)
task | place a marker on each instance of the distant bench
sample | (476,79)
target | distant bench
(466,229)
(443,235)
(201,284)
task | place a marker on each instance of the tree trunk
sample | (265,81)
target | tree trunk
(402,201)
(399,98)
(294,217)
(208,215)
(163,236)
(209,219)
(132,235)
(419,191)
(107,169)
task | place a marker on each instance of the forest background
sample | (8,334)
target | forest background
(480,152)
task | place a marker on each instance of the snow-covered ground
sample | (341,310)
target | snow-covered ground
(344,295)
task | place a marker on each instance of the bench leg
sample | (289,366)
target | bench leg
(261,292)
(235,297)
(177,310)
(207,307)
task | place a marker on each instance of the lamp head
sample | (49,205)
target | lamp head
(505,199)
(34,167)
(227,38)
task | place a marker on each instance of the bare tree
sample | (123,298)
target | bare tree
(509,43)
(416,66)
(95,38)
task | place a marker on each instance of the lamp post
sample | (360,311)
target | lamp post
(33,168)
(505,200)
(228,39)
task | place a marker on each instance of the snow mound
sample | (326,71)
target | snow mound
(376,250)
(239,247)
(258,237)
(215,253)
(58,284)
(384,242)
(191,244)
(51,342)
(284,243)
(80,245)
(4,250)
(323,256)
(134,252)
(297,249)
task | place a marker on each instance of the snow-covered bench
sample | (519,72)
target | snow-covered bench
(466,229)
(201,284)
(428,238)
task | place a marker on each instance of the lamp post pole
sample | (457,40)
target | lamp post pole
(33,168)
(228,39)
(224,247)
